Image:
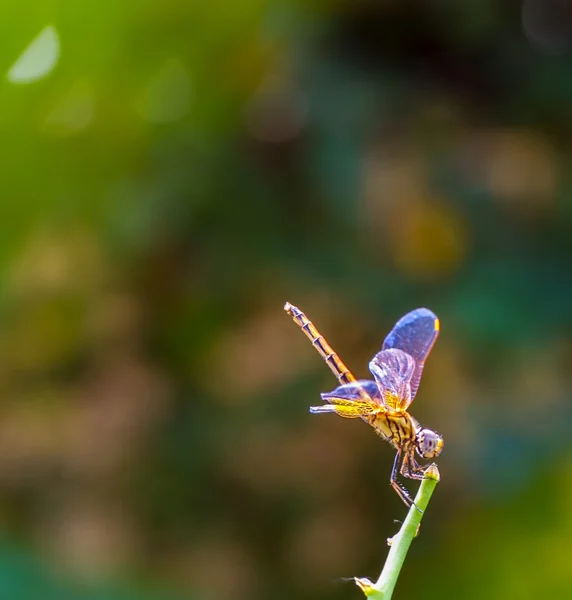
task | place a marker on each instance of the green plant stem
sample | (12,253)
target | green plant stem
(382,589)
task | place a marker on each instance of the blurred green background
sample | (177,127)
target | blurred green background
(173,172)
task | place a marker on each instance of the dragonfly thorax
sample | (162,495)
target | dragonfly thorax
(429,443)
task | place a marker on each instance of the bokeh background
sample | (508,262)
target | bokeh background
(173,172)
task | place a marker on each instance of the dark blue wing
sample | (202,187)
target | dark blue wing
(415,334)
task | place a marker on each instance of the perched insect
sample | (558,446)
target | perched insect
(383,403)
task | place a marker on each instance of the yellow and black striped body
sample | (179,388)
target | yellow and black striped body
(398,428)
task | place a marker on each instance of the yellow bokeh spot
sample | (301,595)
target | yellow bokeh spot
(521,170)
(427,240)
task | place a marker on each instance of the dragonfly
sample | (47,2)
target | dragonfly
(383,402)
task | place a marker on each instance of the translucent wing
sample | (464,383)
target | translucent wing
(350,401)
(415,334)
(393,370)
(353,391)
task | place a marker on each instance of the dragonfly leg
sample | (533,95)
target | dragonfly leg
(398,464)
(411,469)
(407,470)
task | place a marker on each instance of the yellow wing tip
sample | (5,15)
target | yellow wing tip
(437,325)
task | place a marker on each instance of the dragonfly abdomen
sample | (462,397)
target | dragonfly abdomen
(331,358)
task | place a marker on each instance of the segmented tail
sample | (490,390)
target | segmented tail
(333,361)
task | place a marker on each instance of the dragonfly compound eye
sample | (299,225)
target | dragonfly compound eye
(429,443)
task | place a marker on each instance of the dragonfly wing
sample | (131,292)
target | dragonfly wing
(415,333)
(353,391)
(393,370)
(349,400)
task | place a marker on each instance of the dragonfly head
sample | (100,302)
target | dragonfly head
(429,443)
